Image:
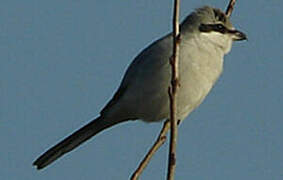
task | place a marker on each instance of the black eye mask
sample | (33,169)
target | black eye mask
(217,28)
(213,27)
(222,29)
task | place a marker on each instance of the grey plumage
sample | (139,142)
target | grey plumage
(206,36)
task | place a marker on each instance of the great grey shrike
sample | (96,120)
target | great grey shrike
(206,36)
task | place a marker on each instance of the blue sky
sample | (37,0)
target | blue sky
(61,61)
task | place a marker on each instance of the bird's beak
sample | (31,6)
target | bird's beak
(238,35)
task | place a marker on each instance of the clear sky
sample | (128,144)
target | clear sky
(61,61)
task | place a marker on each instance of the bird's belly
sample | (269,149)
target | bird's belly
(155,105)
(192,93)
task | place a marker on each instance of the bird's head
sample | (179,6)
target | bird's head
(214,26)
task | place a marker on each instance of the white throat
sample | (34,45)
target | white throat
(223,42)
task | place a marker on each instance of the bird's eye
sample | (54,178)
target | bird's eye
(220,27)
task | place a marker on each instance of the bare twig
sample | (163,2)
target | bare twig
(159,141)
(230,8)
(172,91)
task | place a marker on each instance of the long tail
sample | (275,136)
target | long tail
(73,141)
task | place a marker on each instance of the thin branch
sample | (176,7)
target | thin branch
(159,141)
(172,91)
(230,8)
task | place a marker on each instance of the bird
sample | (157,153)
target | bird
(206,35)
